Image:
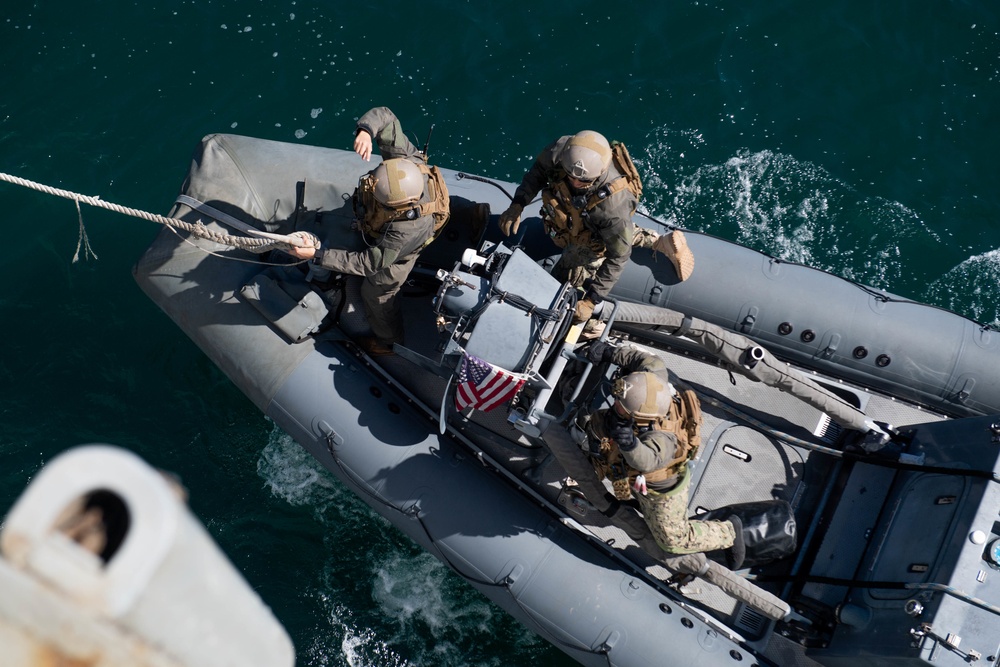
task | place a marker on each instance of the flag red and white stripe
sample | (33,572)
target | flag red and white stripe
(483,386)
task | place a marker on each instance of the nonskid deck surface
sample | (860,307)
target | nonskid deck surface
(747,454)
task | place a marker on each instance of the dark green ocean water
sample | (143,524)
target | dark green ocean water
(857,136)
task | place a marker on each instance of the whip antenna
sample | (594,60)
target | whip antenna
(428,141)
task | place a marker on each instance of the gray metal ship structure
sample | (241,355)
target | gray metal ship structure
(874,417)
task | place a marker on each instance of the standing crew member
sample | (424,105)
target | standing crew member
(399,207)
(590,191)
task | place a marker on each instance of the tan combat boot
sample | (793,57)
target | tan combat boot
(675,247)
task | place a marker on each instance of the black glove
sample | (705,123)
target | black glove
(624,436)
(600,351)
(589,293)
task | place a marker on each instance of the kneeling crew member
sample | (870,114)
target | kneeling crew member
(643,445)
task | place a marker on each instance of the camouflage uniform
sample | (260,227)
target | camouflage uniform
(610,222)
(666,515)
(665,505)
(388,259)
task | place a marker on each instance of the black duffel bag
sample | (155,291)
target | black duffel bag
(768,532)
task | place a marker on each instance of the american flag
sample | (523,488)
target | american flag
(483,386)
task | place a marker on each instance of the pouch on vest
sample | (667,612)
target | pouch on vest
(290,304)
(623,161)
(769,531)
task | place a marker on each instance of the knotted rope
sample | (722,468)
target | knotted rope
(264,242)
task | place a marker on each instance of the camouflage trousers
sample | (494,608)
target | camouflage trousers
(666,515)
(578,263)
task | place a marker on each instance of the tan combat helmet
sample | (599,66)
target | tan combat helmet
(644,396)
(398,183)
(586,156)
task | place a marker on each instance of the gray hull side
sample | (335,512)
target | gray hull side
(935,357)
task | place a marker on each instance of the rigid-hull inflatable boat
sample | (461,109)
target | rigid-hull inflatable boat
(872,416)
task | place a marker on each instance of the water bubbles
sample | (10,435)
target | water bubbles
(970,288)
(291,473)
(782,206)
(418,591)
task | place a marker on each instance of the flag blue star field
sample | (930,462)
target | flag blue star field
(483,386)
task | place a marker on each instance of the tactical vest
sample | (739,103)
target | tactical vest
(564,215)
(683,420)
(373,216)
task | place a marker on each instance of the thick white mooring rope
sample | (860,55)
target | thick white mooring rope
(263,242)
